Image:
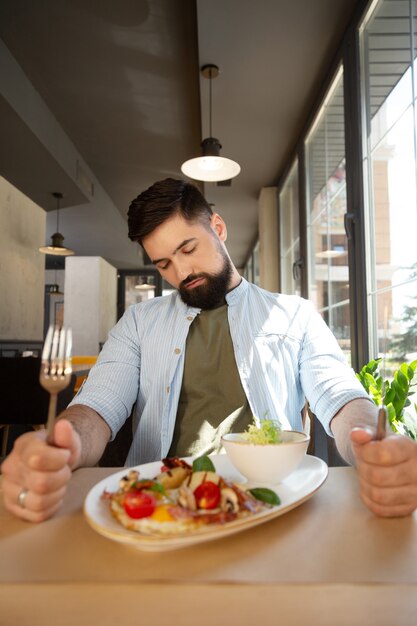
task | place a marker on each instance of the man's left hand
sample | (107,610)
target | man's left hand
(387,472)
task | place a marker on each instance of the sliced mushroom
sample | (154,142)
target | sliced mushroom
(228,500)
(186,498)
(127,480)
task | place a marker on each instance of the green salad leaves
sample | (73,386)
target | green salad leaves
(268,432)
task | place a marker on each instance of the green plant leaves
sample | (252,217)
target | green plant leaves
(402,380)
(389,396)
(393,393)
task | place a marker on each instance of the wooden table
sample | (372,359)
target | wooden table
(328,562)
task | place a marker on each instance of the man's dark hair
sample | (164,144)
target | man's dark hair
(163,200)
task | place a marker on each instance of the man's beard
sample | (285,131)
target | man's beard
(212,292)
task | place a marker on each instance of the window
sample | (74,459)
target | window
(136,286)
(328,270)
(289,227)
(255,255)
(248,269)
(389,90)
(251,268)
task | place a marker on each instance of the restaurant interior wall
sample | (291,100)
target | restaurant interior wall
(22,276)
(268,239)
(48,161)
(90,302)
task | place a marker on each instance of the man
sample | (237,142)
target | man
(199,363)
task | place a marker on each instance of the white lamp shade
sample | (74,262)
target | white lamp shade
(56,246)
(210,168)
(56,250)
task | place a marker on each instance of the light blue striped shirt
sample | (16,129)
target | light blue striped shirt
(284,353)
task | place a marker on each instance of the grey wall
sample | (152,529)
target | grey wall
(22,266)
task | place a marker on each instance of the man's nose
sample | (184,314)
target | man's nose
(183,269)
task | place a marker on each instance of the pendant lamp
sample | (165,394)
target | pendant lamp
(145,283)
(55,290)
(57,240)
(210,167)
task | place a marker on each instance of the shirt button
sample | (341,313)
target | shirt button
(177,350)
(167,389)
(189,317)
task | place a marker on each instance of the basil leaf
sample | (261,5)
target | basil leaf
(157,487)
(265,495)
(150,485)
(203,464)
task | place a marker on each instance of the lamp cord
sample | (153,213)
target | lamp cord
(210,102)
(57,215)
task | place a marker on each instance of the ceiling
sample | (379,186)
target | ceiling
(122,80)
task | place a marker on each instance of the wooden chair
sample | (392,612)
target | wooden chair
(24,403)
(321,445)
(82,360)
(116,451)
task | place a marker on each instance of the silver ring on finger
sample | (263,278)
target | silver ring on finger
(21,498)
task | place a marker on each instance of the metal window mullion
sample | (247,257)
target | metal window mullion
(326,188)
(355,201)
(302,206)
(413,91)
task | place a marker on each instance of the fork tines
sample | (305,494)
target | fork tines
(56,354)
(55,374)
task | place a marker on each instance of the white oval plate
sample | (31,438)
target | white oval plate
(293,491)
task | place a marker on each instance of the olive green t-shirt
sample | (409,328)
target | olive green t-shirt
(212,401)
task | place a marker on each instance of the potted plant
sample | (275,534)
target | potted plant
(394,394)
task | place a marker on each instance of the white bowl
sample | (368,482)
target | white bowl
(268,463)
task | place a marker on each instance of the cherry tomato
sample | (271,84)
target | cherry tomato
(207,495)
(139,504)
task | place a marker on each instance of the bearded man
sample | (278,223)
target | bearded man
(203,361)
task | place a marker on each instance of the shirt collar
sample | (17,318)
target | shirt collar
(235,295)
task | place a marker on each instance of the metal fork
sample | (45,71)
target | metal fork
(56,370)
(381,425)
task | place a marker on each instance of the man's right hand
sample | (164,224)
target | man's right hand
(41,471)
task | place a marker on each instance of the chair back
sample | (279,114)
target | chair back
(22,399)
(82,360)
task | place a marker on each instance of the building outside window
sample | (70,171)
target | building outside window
(328,269)
(389,79)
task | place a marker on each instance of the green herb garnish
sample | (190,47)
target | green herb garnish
(150,485)
(203,464)
(265,495)
(158,488)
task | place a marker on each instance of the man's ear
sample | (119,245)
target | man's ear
(219,226)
